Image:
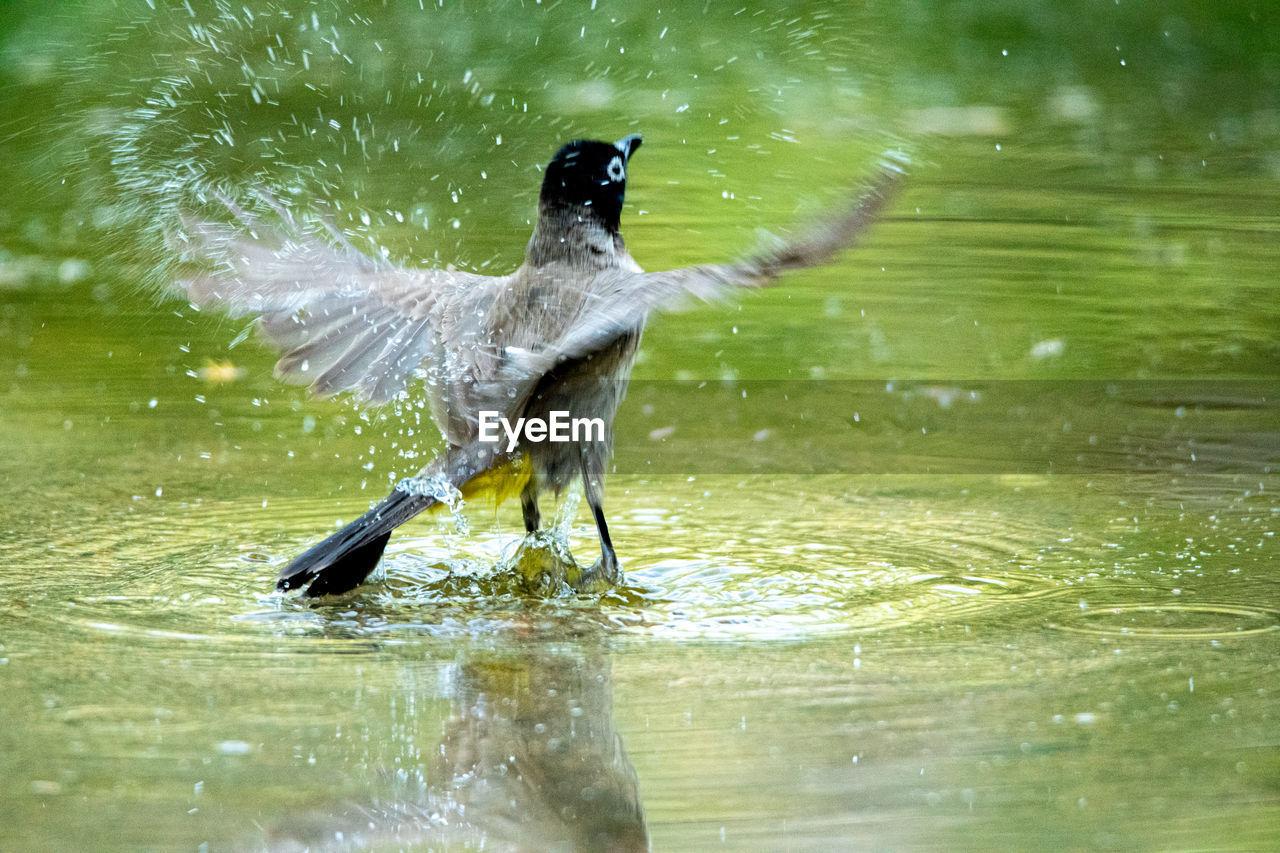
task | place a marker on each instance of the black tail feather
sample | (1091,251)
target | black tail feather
(343,560)
(350,570)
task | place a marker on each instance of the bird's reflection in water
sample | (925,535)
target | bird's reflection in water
(529,760)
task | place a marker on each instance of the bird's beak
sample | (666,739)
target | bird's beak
(628,145)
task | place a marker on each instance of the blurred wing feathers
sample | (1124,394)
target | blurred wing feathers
(621,301)
(342,321)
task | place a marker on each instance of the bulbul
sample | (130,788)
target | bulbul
(557,335)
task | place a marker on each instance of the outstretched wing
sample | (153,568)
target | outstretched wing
(342,320)
(619,301)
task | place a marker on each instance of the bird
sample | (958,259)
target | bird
(557,335)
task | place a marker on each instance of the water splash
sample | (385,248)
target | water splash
(438,487)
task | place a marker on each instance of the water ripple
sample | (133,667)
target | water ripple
(1201,621)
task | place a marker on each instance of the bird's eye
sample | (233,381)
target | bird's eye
(616,171)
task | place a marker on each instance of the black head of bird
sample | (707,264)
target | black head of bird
(590,178)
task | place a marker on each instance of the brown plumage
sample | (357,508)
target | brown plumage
(559,333)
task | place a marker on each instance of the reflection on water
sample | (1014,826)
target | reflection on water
(529,758)
(880,660)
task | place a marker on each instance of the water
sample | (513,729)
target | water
(967,541)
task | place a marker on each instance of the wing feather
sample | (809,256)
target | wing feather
(342,320)
(620,301)
(402,355)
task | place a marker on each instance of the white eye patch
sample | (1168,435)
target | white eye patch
(616,171)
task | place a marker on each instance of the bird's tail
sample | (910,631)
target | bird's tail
(342,561)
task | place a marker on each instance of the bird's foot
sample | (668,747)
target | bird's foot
(545,566)
(603,575)
(543,562)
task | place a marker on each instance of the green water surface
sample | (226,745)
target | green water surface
(964,541)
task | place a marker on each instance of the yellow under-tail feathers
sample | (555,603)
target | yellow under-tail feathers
(543,562)
(498,483)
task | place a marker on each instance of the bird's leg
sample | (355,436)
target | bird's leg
(543,562)
(529,504)
(606,568)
